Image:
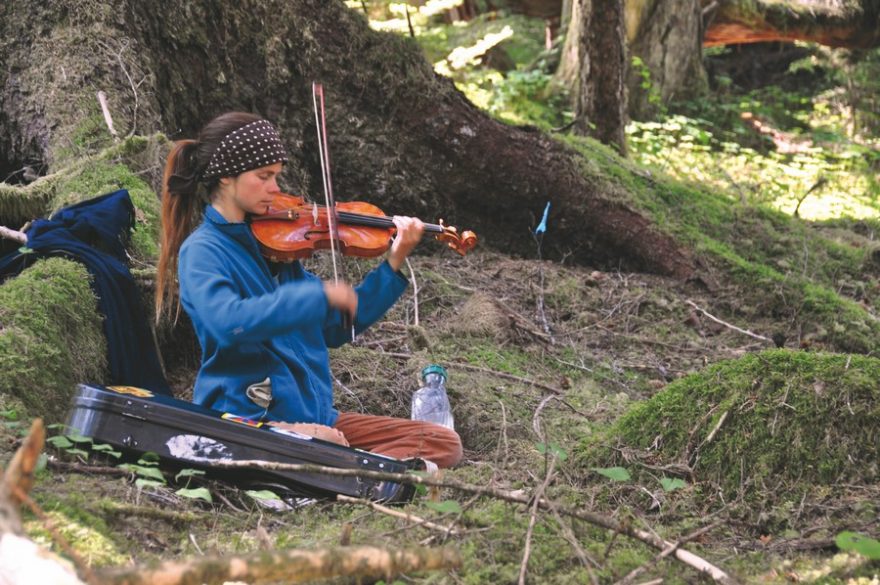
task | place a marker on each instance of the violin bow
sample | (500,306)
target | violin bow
(329,202)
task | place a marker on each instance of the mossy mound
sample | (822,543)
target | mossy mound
(767,428)
(50,336)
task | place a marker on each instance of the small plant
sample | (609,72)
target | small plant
(77,445)
(858,543)
(613,473)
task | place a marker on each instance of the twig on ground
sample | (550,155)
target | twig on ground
(81,566)
(408,517)
(503,437)
(630,577)
(506,376)
(192,539)
(533,517)
(533,513)
(291,566)
(108,119)
(412,276)
(586,560)
(351,393)
(11,234)
(728,325)
(682,555)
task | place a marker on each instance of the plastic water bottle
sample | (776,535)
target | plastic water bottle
(430,402)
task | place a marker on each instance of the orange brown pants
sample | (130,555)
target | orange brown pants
(401,438)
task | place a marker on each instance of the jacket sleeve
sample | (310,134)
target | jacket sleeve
(377,293)
(210,295)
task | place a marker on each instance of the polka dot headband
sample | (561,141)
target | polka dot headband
(250,147)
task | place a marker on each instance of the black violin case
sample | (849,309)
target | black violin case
(187,435)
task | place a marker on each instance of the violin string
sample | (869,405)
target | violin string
(381,221)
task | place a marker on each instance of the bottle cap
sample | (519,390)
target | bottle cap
(434,369)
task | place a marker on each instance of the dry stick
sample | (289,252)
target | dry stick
(412,276)
(631,576)
(533,513)
(728,325)
(533,517)
(525,381)
(682,555)
(82,568)
(568,534)
(289,566)
(404,515)
(11,234)
(108,119)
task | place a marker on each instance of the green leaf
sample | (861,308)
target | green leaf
(106,450)
(10,414)
(60,442)
(149,458)
(78,438)
(447,507)
(671,484)
(142,471)
(195,494)
(42,460)
(262,494)
(25,250)
(859,543)
(421,489)
(613,473)
(188,473)
(79,452)
(554,449)
(144,483)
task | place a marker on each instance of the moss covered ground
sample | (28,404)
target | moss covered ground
(770,452)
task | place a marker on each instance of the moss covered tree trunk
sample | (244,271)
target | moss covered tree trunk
(836,23)
(400,136)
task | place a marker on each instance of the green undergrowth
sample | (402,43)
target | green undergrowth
(820,283)
(126,165)
(737,427)
(50,336)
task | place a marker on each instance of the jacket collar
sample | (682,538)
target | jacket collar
(238,231)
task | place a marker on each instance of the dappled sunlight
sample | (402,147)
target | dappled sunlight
(818,183)
(462,57)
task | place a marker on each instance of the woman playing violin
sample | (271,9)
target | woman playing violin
(265,327)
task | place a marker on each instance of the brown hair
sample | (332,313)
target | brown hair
(184,192)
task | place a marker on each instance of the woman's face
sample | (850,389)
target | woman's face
(249,192)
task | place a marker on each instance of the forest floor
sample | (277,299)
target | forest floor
(538,354)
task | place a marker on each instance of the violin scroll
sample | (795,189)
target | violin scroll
(461,243)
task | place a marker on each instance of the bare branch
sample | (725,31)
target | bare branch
(405,516)
(728,325)
(289,566)
(10,234)
(108,119)
(682,555)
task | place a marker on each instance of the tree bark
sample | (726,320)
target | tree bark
(288,566)
(601,110)
(400,136)
(663,35)
(667,37)
(854,24)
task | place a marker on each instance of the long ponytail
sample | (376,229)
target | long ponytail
(184,192)
(180,211)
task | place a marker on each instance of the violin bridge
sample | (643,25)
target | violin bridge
(315,213)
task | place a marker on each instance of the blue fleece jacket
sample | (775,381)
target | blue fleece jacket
(254,324)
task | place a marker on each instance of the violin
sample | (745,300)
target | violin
(293,228)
